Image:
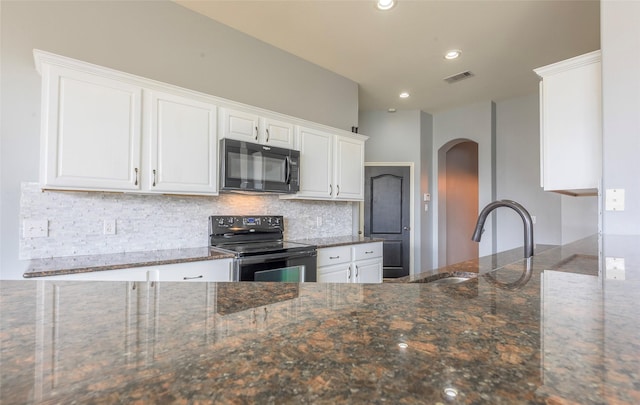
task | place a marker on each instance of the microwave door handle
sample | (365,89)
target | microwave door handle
(287,170)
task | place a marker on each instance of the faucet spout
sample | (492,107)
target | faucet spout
(524,214)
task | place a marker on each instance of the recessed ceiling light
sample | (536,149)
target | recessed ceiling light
(452,54)
(404,94)
(391,110)
(385,4)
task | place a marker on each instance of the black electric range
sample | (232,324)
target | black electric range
(260,252)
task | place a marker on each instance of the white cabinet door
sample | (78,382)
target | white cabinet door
(248,127)
(349,169)
(571,125)
(368,271)
(331,166)
(277,133)
(239,125)
(357,263)
(91,131)
(316,164)
(340,273)
(182,133)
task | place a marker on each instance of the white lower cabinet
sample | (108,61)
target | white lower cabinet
(205,270)
(359,263)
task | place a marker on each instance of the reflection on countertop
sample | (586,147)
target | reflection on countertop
(569,334)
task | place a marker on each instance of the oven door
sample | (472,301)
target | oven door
(246,166)
(281,267)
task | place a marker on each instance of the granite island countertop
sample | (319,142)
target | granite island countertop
(569,334)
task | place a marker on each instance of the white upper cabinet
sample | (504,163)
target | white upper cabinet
(349,168)
(106,130)
(249,127)
(91,131)
(183,142)
(571,125)
(331,166)
(111,131)
(316,164)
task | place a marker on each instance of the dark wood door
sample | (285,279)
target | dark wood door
(386,215)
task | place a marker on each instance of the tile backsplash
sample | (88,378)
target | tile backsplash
(152,222)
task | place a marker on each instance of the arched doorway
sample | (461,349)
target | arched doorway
(457,201)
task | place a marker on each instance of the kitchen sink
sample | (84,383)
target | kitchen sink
(447,278)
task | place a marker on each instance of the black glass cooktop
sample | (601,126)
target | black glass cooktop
(257,248)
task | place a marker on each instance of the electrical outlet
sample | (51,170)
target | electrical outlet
(319,221)
(35,228)
(533,219)
(109,227)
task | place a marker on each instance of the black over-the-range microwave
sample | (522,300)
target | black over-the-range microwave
(251,167)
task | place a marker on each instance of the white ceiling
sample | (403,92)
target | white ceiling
(402,49)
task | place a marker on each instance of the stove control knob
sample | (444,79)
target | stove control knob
(231,220)
(221,221)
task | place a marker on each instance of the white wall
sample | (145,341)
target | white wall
(473,122)
(518,174)
(156,39)
(620,40)
(396,137)
(427,178)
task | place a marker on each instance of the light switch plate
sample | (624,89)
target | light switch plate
(615,268)
(614,199)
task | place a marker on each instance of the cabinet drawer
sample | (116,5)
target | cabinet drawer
(334,255)
(206,270)
(367,250)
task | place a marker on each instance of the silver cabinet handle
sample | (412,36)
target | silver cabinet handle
(267,134)
(406,228)
(356,271)
(330,189)
(191,278)
(334,257)
(136,171)
(369,252)
(338,193)
(349,275)
(256,133)
(154,178)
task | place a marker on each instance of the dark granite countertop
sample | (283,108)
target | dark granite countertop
(566,333)
(82,264)
(338,241)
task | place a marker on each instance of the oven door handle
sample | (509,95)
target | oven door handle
(275,256)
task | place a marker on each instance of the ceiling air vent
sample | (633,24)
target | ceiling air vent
(458,76)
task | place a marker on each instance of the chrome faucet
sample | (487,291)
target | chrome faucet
(524,214)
